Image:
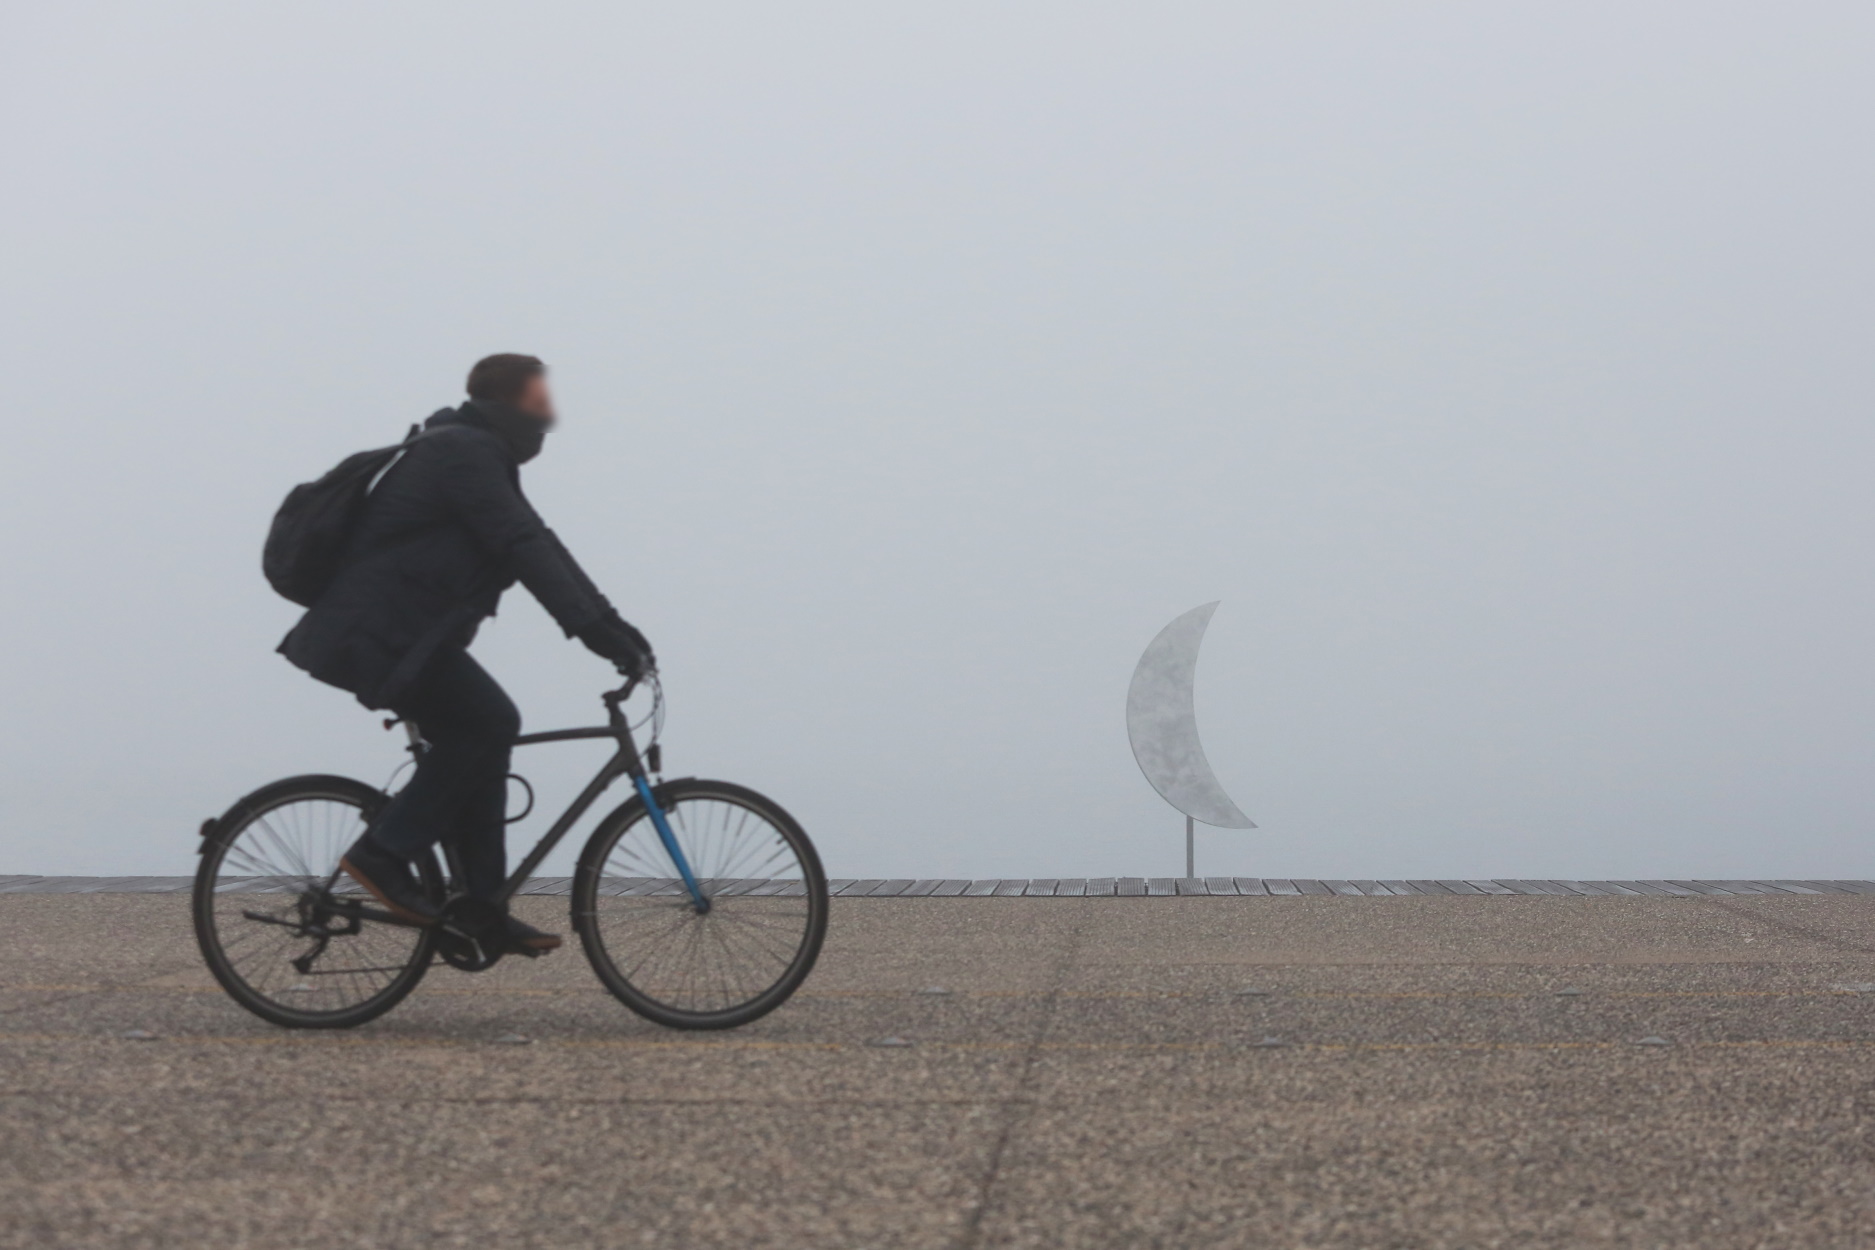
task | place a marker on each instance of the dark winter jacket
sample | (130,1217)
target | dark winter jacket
(444,533)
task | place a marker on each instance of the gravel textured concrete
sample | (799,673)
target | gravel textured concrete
(1409,1073)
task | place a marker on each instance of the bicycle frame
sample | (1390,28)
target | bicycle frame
(625,762)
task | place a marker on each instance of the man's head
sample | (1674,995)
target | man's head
(516,380)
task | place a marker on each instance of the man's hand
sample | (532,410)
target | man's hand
(634,670)
(611,638)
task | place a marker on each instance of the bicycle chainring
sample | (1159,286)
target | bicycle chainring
(469,937)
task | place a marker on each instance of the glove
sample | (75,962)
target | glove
(612,639)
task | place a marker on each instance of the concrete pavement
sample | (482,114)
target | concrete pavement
(1410,1075)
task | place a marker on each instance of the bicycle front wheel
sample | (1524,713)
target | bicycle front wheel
(282,930)
(692,968)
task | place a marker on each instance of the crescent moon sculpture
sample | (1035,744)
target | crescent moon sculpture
(1162,725)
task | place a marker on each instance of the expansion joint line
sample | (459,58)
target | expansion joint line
(1019,1106)
(1740,908)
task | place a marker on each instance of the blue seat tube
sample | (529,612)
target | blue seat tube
(669,839)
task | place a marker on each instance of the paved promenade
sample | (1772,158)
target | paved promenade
(1411,1070)
(1095,887)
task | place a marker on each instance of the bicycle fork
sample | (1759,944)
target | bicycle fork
(659,822)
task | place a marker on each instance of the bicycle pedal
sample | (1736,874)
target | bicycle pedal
(466,954)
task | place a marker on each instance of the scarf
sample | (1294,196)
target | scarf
(522,433)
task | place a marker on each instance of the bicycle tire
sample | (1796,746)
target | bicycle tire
(775,921)
(226,907)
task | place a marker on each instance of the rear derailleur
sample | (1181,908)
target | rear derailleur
(318,917)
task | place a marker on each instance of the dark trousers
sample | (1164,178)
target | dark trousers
(459,795)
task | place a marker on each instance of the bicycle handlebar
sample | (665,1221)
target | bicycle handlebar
(612,698)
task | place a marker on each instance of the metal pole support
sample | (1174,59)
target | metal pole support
(1190,869)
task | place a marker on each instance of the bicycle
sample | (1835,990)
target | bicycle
(699,904)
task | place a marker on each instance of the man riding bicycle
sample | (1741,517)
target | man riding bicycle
(443,534)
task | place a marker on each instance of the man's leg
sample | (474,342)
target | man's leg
(460,787)
(460,791)
(479,840)
(480,833)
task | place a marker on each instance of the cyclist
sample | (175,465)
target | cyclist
(443,534)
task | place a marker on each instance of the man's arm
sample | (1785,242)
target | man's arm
(482,496)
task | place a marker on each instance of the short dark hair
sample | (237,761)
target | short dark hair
(501,378)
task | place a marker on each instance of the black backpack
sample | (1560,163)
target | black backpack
(307,539)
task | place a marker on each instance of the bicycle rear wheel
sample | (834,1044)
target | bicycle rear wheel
(716,968)
(281,930)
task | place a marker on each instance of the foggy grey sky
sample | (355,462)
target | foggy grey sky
(1504,368)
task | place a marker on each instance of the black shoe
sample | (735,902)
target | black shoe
(523,938)
(389,880)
